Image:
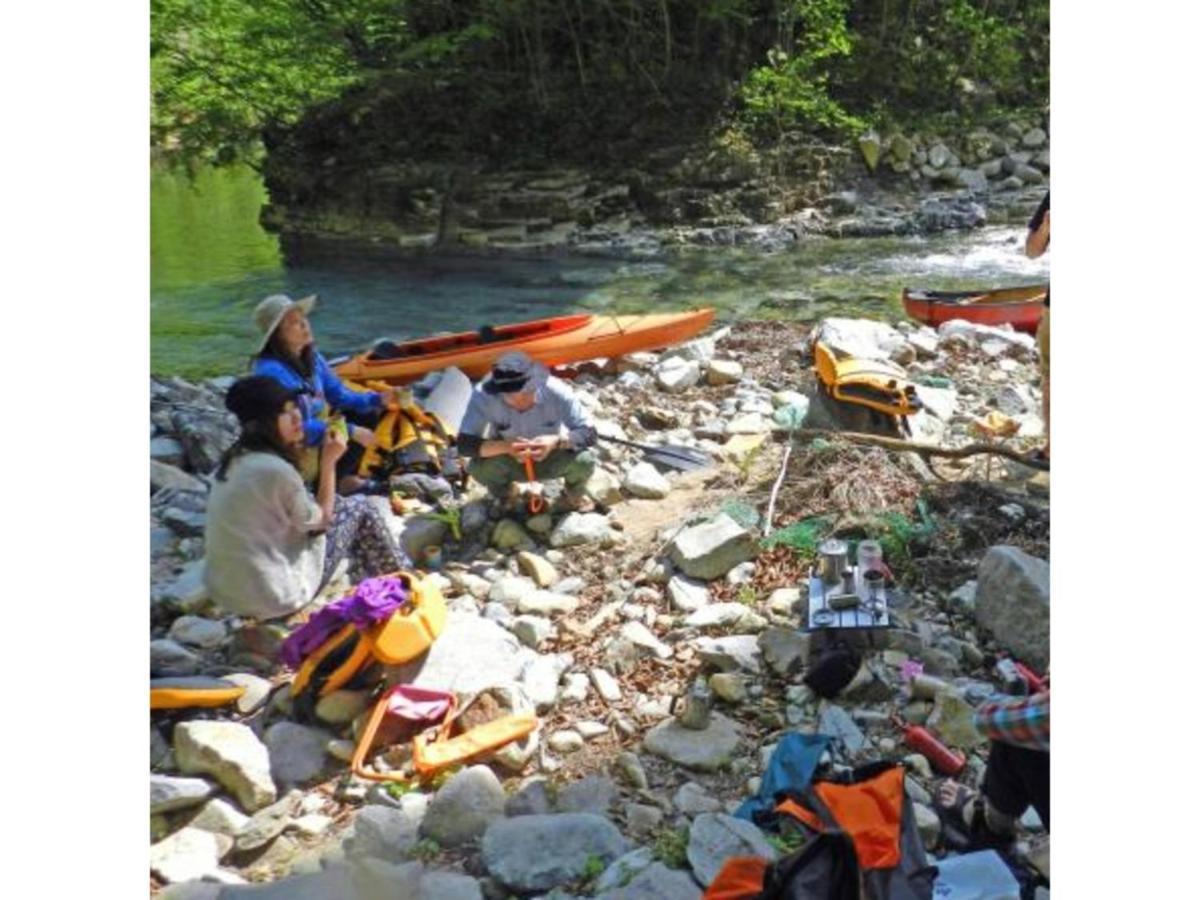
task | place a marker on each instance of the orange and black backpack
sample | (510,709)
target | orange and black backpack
(351,657)
(861,843)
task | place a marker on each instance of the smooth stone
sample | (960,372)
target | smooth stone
(642,820)
(576,529)
(508,535)
(169,658)
(642,637)
(546,603)
(297,752)
(267,824)
(188,854)
(168,793)
(197,632)
(1012,601)
(710,549)
(645,481)
(537,568)
(565,741)
(511,590)
(532,631)
(383,833)
(687,594)
(606,686)
(591,730)
(537,853)
(575,688)
(729,687)
(706,750)
(691,799)
(463,808)
(472,653)
(220,817)
(594,794)
(257,689)
(730,653)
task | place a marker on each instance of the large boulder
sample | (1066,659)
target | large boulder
(536,853)
(712,548)
(860,337)
(1012,601)
(471,653)
(232,754)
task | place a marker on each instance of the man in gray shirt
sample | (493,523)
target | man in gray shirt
(521,411)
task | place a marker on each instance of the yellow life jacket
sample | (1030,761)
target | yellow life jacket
(411,439)
(873,383)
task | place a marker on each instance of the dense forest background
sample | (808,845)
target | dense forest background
(582,79)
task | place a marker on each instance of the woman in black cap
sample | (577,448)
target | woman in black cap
(269,547)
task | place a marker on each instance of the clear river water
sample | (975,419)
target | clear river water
(211,262)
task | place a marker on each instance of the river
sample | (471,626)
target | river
(211,262)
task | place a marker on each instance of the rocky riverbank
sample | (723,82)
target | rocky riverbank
(597,620)
(723,191)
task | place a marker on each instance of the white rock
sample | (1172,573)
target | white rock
(641,636)
(591,730)
(532,631)
(675,374)
(724,371)
(687,594)
(860,337)
(749,423)
(606,685)
(188,854)
(512,590)
(546,603)
(643,480)
(940,402)
(231,753)
(565,741)
(575,689)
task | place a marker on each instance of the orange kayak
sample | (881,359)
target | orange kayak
(1020,307)
(555,341)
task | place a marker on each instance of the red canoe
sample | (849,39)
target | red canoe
(1020,307)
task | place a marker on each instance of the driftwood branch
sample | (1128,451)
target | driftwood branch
(927,450)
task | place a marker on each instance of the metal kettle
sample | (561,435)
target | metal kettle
(697,706)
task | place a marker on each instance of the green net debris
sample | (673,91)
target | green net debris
(742,513)
(803,537)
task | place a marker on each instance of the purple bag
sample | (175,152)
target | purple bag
(371,602)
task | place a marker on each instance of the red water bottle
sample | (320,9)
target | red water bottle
(942,757)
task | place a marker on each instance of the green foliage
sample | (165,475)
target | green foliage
(398,789)
(746,595)
(593,868)
(897,533)
(792,90)
(426,850)
(461,77)
(670,847)
(803,537)
(452,517)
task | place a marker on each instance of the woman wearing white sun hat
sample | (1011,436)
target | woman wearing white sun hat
(288,354)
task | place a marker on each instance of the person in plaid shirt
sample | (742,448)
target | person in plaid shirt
(1017,775)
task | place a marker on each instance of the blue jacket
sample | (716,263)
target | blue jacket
(322,390)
